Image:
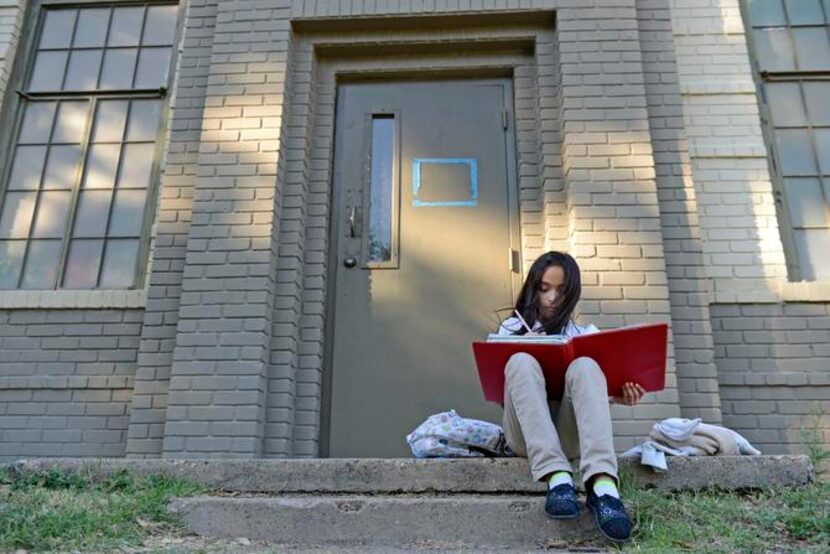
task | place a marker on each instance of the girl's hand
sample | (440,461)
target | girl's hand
(632,394)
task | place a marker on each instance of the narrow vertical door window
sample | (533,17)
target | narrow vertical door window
(382,191)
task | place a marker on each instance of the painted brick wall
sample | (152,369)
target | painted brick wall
(66,379)
(741,243)
(172,226)
(11,21)
(288,385)
(610,181)
(774,363)
(689,287)
(772,358)
(218,378)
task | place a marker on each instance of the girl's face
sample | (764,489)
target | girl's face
(550,290)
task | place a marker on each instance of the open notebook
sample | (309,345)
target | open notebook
(636,353)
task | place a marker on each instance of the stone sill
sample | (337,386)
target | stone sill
(67,299)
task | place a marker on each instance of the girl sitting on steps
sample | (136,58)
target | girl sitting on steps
(548,433)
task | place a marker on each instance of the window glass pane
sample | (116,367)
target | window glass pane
(766,12)
(382,176)
(37,123)
(16,217)
(93,211)
(785,104)
(57,29)
(812,246)
(11,258)
(71,122)
(119,66)
(795,151)
(822,137)
(126,26)
(27,167)
(82,264)
(160,25)
(813,47)
(62,167)
(42,264)
(805,202)
(804,12)
(83,70)
(109,123)
(144,120)
(128,213)
(818,102)
(118,271)
(827,10)
(136,165)
(152,68)
(48,71)
(52,210)
(101,165)
(92,27)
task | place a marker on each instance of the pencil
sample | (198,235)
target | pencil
(529,330)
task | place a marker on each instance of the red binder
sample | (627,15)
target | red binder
(636,353)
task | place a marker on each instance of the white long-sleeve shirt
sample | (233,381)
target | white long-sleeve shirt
(512,324)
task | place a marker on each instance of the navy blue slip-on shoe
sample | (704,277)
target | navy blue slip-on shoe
(610,516)
(561,502)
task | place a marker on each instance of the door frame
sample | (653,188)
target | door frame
(514,257)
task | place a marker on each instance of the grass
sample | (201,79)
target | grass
(57,510)
(811,435)
(773,520)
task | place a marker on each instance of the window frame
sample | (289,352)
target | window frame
(761,78)
(11,117)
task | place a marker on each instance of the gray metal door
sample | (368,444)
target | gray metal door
(426,248)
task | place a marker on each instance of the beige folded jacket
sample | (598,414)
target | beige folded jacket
(707,440)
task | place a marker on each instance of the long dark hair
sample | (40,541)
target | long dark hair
(528,302)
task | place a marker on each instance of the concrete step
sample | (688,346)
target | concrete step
(448,505)
(417,522)
(408,476)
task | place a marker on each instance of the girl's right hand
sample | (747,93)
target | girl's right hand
(632,393)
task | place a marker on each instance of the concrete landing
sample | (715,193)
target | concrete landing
(442,476)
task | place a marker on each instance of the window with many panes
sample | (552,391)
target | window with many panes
(79,171)
(791,46)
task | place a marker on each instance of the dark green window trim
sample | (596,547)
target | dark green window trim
(17,97)
(763,79)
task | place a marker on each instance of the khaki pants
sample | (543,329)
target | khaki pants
(583,418)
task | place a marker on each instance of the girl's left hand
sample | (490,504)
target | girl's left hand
(632,394)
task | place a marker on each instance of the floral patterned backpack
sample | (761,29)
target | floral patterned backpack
(448,435)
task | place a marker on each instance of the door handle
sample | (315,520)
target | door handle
(353,222)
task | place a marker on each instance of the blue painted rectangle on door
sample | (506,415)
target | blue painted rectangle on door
(428,193)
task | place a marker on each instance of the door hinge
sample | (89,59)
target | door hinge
(504,119)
